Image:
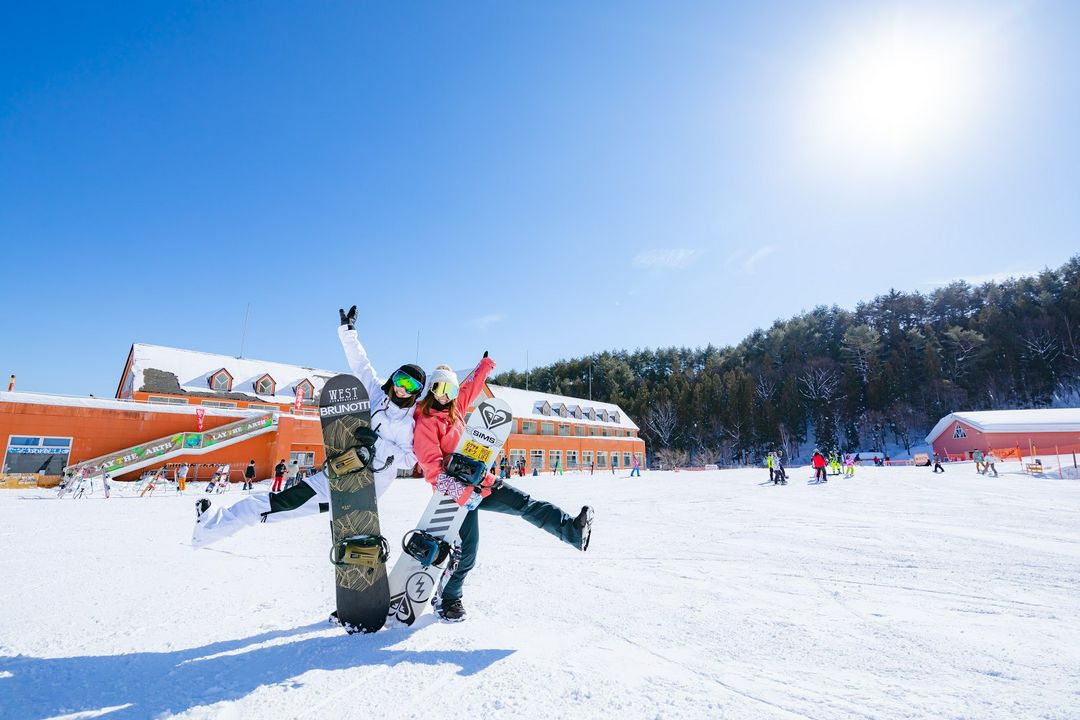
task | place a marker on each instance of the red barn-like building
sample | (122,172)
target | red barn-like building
(1032,432)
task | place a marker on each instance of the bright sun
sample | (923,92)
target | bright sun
(891,96)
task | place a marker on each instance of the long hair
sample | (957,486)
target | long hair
(426,404)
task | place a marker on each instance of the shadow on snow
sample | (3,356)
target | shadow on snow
(147,684)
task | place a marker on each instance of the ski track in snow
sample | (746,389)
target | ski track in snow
(895,594)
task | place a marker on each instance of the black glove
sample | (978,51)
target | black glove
(485,353)
(366,437)
(348,318)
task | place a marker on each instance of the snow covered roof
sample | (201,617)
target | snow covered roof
(155,368)
(1001,421)
(529,405)
(114,404)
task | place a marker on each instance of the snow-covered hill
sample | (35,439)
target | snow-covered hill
(896,594)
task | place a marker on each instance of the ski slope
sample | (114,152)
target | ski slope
(896,594)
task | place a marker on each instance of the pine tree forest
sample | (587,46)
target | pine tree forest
(880,375)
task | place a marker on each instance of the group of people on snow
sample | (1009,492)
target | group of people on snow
(411,426)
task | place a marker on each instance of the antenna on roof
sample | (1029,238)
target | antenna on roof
(243,335)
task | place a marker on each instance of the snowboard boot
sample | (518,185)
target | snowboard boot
(451,610)
(201,506)
(583,521)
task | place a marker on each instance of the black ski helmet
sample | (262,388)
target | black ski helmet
(414,371)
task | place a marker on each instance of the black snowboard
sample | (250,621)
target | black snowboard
(358,551)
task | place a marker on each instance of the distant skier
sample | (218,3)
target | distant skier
(279,476)
(818,461)
(769,460)
(392,403)
(989,461)
(249,475)
(849,466)
(636,468)
(977,456)
(440,422)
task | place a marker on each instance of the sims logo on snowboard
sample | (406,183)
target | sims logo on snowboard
(347,401)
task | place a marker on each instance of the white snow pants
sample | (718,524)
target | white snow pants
(310,496)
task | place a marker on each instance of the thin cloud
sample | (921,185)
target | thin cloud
(759,255)
(485,321)
(673,258)
(745,261)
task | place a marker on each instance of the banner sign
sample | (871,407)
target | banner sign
(180,441)
(299,399)
(200,414)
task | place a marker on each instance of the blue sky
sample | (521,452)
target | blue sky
(554,178)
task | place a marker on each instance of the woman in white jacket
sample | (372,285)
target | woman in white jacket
(392,421)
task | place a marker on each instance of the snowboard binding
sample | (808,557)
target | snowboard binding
(466,469)
(364,550)
(356,458)
(425,547)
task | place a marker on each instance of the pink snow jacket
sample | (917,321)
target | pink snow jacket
(434,437)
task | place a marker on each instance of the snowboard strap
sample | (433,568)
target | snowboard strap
(363,550)
(349,462)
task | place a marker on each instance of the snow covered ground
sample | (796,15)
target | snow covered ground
(896,594)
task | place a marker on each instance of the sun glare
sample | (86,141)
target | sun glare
(889,97)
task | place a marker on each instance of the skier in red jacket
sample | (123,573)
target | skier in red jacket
(818,461)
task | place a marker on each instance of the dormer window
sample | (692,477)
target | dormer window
(309,390)
(577,412)
(590,413)
(562,411)
(615,417)
(265,385)
(545,409)
(221,381)
(602,415)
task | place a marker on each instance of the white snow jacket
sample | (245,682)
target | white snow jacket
(393,425)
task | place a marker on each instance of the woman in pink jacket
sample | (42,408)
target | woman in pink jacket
(440,420)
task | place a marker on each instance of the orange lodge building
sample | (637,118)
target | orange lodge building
(181,406)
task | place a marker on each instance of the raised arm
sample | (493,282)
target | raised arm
(355,353)
(470,389)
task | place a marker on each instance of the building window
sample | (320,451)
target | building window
(614,459)
(601,459)
(162,400)
(571,459)
(959,432)
(218,404)
(626,459)
(564,430)
(221,381)
(263,406)
(30,454)
(586,458)
(594,431)
(265,385)
(579,430)
(547,428)
(556,458)
(305,460)
(517,457)
(528,428)
(536,459)
(309,391)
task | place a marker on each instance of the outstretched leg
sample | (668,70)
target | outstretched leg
(308,497)
(509,500)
